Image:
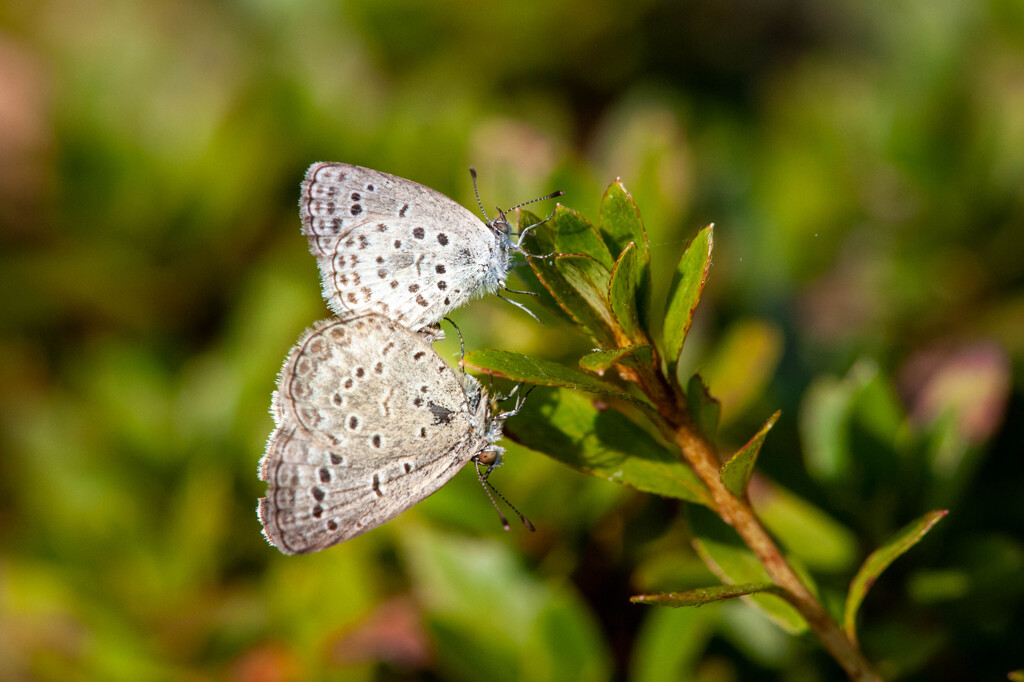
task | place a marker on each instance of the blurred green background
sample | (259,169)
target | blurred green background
(864,166)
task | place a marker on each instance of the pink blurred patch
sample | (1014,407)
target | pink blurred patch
(845,303)
(392,633)
(267,663)
(973,382)
(26,137)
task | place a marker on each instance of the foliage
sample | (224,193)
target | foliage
(595,437)
(862,164)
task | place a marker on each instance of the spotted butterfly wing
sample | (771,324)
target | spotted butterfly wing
(391,246)
(370,420)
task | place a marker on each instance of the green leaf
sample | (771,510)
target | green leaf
(579,284)
(620,224)
(555,292)
(517,367)
(582,295)
(595,322)
(670,645)
(744,359)
(574,234)
(834,409)
(541,239)
(568,427)
(725,554)
(624,291)
(704,595)
(737,471)
(620,221)
(879,560)
(824,421)
(455,605)
(805,530)
(565,643)
(590,280)
(631,356)
(687,284)
(704,409)
(529,281)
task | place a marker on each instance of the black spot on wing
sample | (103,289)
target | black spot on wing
(442,415)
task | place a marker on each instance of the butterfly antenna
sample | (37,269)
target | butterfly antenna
(494,503)
(488,487)
(472,171)
(462,344)
(533,201)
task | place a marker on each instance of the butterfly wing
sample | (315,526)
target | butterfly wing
(370,421)
(391,246)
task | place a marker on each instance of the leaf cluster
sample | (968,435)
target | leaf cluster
(617,413)
(599,279)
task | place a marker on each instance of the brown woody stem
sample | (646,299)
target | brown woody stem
(701,457)
(738,514)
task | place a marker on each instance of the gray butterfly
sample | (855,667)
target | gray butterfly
(392,246)
(370,420)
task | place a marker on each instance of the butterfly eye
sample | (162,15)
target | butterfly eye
(487,457)
(501,226)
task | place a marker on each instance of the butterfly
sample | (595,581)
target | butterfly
(392,246)
(369,421)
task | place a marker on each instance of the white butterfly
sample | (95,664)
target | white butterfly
(370,420)
(391,246)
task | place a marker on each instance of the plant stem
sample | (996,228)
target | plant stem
(738,514)
(701,457)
